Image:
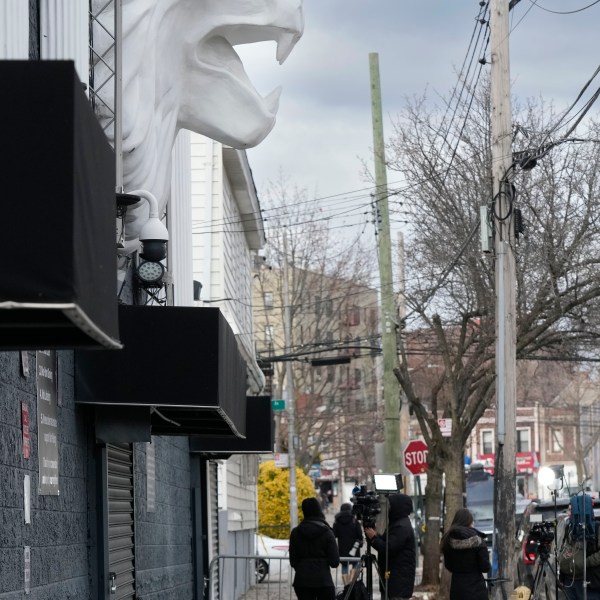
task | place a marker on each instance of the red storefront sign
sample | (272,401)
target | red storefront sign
(527,462)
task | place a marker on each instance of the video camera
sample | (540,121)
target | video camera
(543,535)
(366,505)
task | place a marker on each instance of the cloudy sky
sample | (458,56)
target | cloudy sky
(323,128)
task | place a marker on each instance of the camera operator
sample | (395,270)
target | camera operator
(396,550)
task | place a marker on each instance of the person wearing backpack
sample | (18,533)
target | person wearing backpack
(349,535)
(571,552)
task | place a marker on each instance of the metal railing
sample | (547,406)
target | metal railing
(256,577)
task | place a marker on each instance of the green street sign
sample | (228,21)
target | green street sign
(278,404)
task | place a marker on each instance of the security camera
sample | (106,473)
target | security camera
(154,237)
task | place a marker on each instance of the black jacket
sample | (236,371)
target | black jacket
(347,530)
(313,550)
(466,557)
(399,541)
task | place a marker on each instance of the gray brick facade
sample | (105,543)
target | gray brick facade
(62,534)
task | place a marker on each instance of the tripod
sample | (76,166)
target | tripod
(366,561)
(540,589)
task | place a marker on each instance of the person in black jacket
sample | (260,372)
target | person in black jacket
(466,557)
(313,552)
(348,532)
(398,540)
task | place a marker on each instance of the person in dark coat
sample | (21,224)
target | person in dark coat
(348,532)
(466,557)
(398,540)
(313,552)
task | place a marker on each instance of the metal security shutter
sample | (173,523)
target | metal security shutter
(121,534)
(213,522)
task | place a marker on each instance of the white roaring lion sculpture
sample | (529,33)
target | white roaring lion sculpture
(180,71)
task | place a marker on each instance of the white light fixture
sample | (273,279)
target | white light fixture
(551,477)
(150,272)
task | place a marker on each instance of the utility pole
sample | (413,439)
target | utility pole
(389,314)
(404,412)
(506,411)
(289,386)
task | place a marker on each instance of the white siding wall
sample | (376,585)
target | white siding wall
(206,217)
(237,276)
(14,29)
(242,499)
(64,33)
(180,222)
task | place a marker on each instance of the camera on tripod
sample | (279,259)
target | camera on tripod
(542,534)
(365,505)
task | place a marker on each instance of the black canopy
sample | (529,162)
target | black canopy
(259,433)
(181,363)
(58,287)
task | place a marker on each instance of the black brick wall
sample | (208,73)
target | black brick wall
(62,533)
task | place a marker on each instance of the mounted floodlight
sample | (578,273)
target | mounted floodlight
(153,235)
(388,483)
(552,477)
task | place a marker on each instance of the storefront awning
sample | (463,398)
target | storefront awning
(181,363)
(58,287)
(259,433)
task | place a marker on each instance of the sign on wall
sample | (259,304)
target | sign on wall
(47,419)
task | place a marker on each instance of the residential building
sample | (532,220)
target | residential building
(335,349)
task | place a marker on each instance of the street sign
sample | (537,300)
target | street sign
(415,457)
(278,404)
(281,460)
(445,426)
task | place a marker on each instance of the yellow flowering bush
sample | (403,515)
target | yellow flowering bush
(274,498)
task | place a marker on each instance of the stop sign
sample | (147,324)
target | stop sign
(415,457)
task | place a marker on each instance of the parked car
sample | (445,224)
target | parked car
(272,561)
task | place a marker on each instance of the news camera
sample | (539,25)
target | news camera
(543,535)
(365,505)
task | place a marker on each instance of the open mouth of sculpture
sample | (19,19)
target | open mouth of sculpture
(218,54)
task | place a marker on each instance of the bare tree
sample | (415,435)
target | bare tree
(334,314)
(450,284)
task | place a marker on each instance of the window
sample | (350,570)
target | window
(268,334)
(317,305)
(328,308)
(523,444)
(556,440)
(268,300)
(330,374)
(353,316)
(487,441)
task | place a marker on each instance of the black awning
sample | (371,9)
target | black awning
(58,287)
(182,363)
(259,433)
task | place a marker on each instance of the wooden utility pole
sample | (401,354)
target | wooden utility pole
(502,206)
(389,313)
